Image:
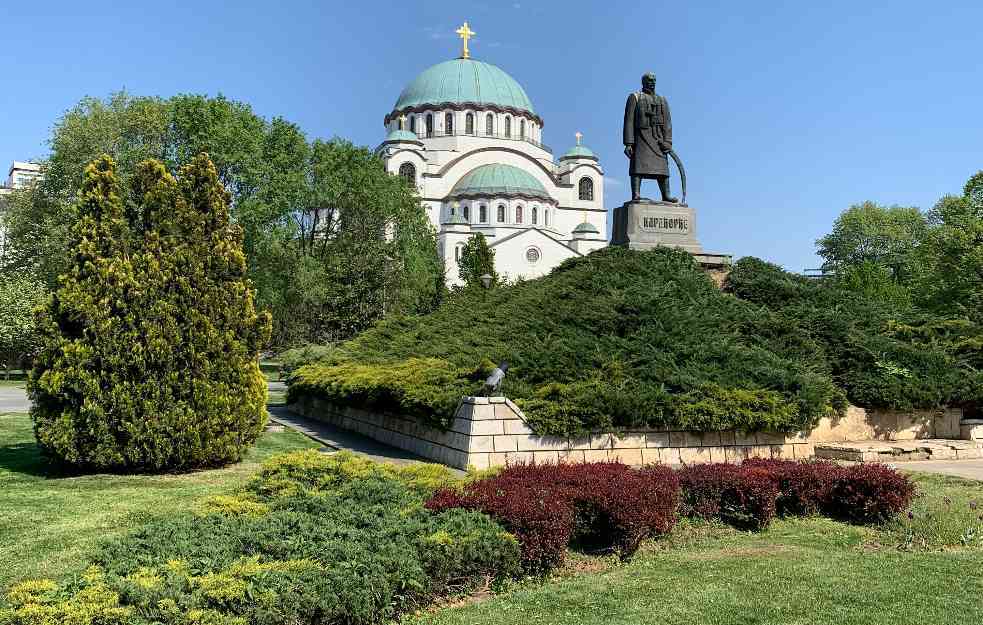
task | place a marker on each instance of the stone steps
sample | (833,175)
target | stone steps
(899,451)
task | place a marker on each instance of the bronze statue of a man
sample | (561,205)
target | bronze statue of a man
(648,138)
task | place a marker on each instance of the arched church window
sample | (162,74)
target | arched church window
(408,171)
(467,212)
(508,126)
(522,129)
(413,123)
(490,124)
(518,214)
(469,123)
(483,214)
(586,189)
(458,250)
(535,215)
(501,213)
(449,123)
(429,124)
(546,217)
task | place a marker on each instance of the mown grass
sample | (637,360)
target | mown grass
(49,522)
(801,571)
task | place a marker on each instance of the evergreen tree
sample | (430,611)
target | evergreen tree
(150,344)
(477,259)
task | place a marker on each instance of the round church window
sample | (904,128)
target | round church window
(532,255)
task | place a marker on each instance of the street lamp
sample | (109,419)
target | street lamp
(486,280)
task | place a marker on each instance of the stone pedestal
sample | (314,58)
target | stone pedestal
(645,224)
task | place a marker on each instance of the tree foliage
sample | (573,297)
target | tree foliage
(311,211)
(19,295)
(477,259)
(150,344)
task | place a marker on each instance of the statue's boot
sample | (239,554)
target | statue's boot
(664,188)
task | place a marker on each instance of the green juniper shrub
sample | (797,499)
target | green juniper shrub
(355,546)
(618,338)
(150,344)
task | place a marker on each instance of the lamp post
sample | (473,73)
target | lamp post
(486,280)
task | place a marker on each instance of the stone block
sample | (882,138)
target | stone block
(483,428)
(478,401)
(505,442)
(656,439)
(503,412)
(770,438)
(600,441)
(804,451)
(703,439)
(496,400)
(783,452)
(628,440)
(580,442)
(515,408)
(759,451)
(677,439)
(595,455)
(971,430)
(464,411)
(669,455)
(478,444)
(482,412)
(651,455)
(745,438)
(717,454)
(516,426)
(543,457)
(728,438)
(694,455)
(478,461)
(531,442)
(631,457)
(737,453)
(571,455)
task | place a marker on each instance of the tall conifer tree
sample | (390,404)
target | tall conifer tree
(151,342)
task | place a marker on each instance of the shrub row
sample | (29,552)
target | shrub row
(314,539)
(751,494)
(548,506)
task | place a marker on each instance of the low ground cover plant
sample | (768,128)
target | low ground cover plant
(314,539)
(628,339)
(549,506)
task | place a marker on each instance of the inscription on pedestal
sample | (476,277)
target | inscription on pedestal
(676,225)
(646,224)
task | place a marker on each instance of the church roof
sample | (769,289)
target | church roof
(580,151)
(586,228)
(402,135)
(464,81)
(498,179)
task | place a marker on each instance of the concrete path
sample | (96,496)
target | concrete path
(339,439)
(970,469)
(13,398)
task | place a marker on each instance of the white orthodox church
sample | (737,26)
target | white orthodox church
(467,135)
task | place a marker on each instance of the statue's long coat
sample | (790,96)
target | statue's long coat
(647,126)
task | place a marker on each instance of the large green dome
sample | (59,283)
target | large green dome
(464,81)
(499,180)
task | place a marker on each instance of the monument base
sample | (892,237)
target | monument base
(644,224)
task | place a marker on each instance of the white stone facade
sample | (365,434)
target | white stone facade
(530,234)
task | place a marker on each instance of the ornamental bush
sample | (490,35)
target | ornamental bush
(149,357)
(870,493)
(353,546)
(549,506)
(744,497)
(804,488)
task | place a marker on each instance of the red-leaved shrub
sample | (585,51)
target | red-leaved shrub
(870,493)
(803,487)
(741,496)
(546,506)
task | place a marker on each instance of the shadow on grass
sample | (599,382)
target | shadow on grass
(26,459)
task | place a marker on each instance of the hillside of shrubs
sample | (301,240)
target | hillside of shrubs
(623,339)
(318,538)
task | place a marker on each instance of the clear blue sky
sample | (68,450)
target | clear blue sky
(784,113)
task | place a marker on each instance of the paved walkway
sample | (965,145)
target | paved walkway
(13,398)
(970,469)
(338,439)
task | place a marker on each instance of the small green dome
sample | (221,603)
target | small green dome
(464,81)
(402,135)
(586,228)
(456,220)
(498,179)
(580,151)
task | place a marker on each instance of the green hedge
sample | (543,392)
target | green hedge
(622,339)
(315,539)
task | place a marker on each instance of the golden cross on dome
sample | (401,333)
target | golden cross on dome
(402,122)
(465,33)
(579,136)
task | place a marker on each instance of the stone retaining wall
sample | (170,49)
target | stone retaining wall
(491,431)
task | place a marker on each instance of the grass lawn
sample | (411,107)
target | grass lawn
(49,523)
(802,571)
